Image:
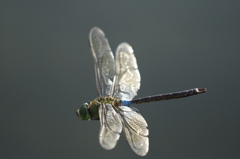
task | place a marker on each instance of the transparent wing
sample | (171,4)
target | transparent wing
(104,63)
(135,128)
(110,126)
(127,81)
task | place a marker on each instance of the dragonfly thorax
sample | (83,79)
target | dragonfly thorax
(111,100)
(89,111)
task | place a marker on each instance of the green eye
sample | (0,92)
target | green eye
(83,112)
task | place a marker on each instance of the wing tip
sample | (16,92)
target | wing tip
(125,47)
(96,29)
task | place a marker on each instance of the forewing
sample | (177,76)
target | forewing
(110,126)
(104,63)
(127,81)
(135,128)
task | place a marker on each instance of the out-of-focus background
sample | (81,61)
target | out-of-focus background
(46,73)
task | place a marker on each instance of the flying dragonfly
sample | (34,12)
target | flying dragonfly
(117,82)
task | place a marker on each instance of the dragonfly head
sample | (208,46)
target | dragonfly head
(83,112)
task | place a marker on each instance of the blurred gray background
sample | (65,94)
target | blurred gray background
(46,73)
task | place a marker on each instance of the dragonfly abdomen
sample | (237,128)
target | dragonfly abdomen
(168,96)
(126,103)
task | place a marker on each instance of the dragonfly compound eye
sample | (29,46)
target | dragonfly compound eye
(83,112)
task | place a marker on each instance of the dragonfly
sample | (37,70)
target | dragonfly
(117,82)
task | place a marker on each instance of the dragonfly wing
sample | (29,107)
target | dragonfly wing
(127,81)
(110,126)
(135,128)
(104,63)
